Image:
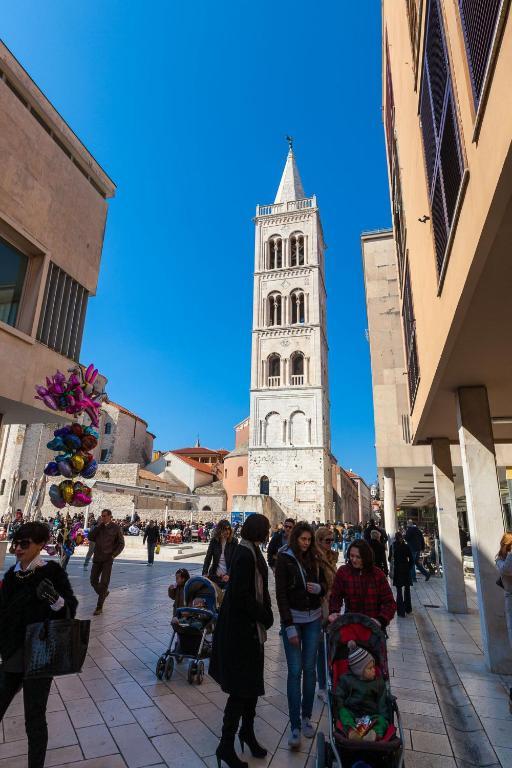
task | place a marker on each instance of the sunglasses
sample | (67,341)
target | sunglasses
(22,543)
(288,526)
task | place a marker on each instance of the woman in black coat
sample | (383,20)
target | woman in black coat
(237,653)
(217,563)
(33,590)
(401,556)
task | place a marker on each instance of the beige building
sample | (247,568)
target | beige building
(124,437)
(448,125)
(49,255)
(345,496)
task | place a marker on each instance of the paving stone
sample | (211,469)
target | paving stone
(135,746)
(96,741)
(71,688)
(420,708)
(505,756)
(498,731)
(176,752)
(133,695)
(101,690)
(474,747)
(107,761)
(454,695)
(173,708)
(153,721)
(461,718)
(60,730)
(56,757)
(115,712)
(12,748)
(422,722)
(211,716)
(199,736)
(83,712)
(436,743)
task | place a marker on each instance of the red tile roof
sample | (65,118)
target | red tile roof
(206,468)
(199,452)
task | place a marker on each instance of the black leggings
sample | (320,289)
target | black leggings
(35,699)
(238,707)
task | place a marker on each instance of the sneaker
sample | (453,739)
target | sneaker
(294,739)
(307,729)
(322,695)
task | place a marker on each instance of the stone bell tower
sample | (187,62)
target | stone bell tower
(289,444)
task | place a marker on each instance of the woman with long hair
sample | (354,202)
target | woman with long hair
(300,587)
(32,590)
(241,631)
(401,557)
(221,548)
(362,587)
(328,559)
(504,566)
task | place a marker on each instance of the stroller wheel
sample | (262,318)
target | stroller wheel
(160,666)
(191,672)
(179,659)
(169,667)
(200,672)
(323,752)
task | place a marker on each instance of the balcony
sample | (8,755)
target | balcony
(274,381)
(292,205)
(297,381)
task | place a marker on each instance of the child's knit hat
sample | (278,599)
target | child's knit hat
(358,658)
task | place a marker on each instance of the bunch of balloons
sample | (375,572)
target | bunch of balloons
(74,395)
(75,443)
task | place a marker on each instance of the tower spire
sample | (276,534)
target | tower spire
(290,187)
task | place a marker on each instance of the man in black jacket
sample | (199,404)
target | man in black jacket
(152,536)
(109,544)
(416,542)
(278,540)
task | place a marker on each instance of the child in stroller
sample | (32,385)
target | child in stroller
(190,626)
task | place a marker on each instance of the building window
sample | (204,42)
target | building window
(2,488)
(297,302)
(297,364)
(275,253)
(440,131)
(63,313)
(274,309)
(104,454)
(108,427)
(479,22)
(13,268)
(23,487)
(296,249)
(240,471)
(206,509)
(411,352)
(264,486)
(414,18)
(274,371)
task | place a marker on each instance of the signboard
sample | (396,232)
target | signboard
(240,517)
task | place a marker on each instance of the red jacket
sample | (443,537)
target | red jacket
(365,592)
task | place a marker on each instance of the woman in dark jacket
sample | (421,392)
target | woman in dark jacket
(32,590)
(300,586)
(217,562)
(402,558)
(237,653)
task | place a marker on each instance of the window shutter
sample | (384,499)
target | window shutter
(479,19)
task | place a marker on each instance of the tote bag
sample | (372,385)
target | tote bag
(56,647)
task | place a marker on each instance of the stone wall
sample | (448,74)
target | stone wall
(263,505)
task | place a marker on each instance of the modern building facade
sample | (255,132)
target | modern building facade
(448,128)
(289,443)
(53,209)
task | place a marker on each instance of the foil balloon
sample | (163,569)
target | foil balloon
(77,462)
(52,469)
(66,490)
(90,470)
(55,497)
(65,468)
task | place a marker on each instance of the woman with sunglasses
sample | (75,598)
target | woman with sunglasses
(328,559)
(32,590)
(220,552)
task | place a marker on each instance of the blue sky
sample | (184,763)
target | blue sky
(186,106)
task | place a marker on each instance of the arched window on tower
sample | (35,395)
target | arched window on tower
(274,371)
(296,249)
(23,487)
(2,488)
(264,485)
(297,302)
(275,252)
(240,472)
(275,303)
(297,362)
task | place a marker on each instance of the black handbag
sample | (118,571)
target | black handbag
(56,647)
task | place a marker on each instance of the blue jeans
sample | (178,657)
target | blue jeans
(301,660)
(151,552)
(419,566)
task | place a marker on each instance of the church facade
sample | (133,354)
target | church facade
(289,455)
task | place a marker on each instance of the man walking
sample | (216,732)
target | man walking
(278,540)
(416,542)
(109,543)
(90,551)
(152,536)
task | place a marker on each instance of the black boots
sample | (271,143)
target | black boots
(225,752)
(246,733)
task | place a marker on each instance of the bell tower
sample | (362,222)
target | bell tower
(289,444)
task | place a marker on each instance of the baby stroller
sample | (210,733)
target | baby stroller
(337,749)
(191,640)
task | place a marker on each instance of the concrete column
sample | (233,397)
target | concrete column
(389,502)
(485,518)
(451,555)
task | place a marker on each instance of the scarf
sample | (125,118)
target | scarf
(258,584)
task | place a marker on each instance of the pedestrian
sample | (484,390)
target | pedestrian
(278,540)
(32,590)
(328,560)
(300,586)
(379,551)
(222,546)
(152,536)
(90,550)
(362,587)
(13,527)
(416,542)
(109,540)
(176,590)
(401,556)
(237,660)
(504,566)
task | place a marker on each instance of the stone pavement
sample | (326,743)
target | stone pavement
(117,714)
